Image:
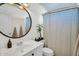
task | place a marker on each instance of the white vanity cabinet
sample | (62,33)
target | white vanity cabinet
(28,48)
(35,52)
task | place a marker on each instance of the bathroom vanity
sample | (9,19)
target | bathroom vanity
(28,48)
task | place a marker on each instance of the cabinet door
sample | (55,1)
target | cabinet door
(38,51)
(35,52)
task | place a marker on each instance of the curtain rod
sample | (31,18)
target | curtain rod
(61,9)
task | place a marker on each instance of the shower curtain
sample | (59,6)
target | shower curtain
(61,31)
(76,48)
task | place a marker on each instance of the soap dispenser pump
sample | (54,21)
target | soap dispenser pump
(9,44)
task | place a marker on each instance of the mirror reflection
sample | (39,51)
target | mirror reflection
(14,21)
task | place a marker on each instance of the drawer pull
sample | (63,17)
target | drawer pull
(32,54)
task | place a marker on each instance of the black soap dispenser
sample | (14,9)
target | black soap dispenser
(9,44)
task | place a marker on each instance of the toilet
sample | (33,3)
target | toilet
(47,51)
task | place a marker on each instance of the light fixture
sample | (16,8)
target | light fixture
(21,7)
(24,5)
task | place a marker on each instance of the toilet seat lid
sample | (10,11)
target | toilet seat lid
(47,50)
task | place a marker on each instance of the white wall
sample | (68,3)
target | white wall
(36,15)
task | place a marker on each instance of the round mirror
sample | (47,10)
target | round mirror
(15,22)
